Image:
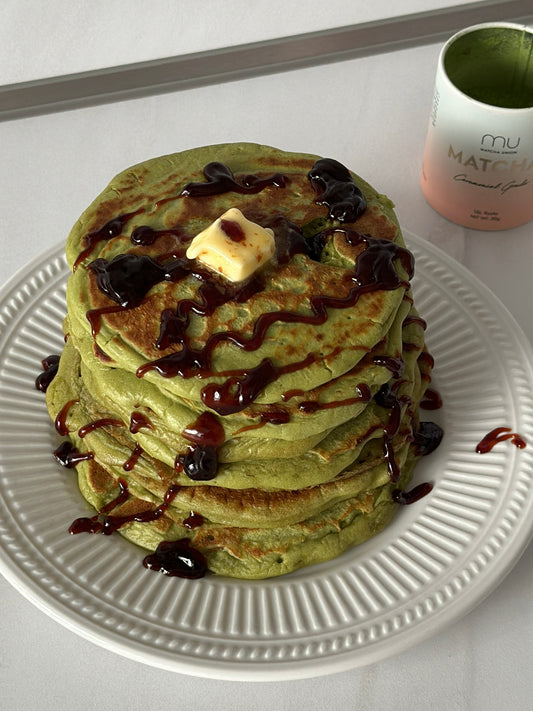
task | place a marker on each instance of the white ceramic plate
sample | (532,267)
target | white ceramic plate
(437,559)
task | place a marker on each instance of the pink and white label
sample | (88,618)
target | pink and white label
(478,159)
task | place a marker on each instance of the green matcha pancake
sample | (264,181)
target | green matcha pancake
(243,366)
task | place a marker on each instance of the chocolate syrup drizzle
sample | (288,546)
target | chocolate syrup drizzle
(133,458)
(220,180)
(128,278)
(106,523)
(96,424)
(146,235)
(431,400)
(274,417)
(364,394)
(176,558)
(193,520)
(139,421)
(200,462)
(415,494)
(68,456)
(375,269)
(60,423)
(110,229)
(337,190)
(50,366)
(173,558)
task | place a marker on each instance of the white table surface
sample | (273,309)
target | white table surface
(372,115)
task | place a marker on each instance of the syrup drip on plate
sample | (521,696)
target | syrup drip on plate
(497,435)
(177,559)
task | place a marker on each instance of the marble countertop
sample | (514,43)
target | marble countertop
(371,113)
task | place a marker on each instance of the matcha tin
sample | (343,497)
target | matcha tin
(478,158)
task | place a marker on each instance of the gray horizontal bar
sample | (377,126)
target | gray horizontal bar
(132,81)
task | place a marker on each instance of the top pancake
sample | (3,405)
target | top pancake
(298,355)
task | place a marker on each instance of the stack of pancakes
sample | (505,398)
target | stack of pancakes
(267,424)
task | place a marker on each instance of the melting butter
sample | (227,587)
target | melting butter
(233,246)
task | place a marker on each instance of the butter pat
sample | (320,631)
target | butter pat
(233,246)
